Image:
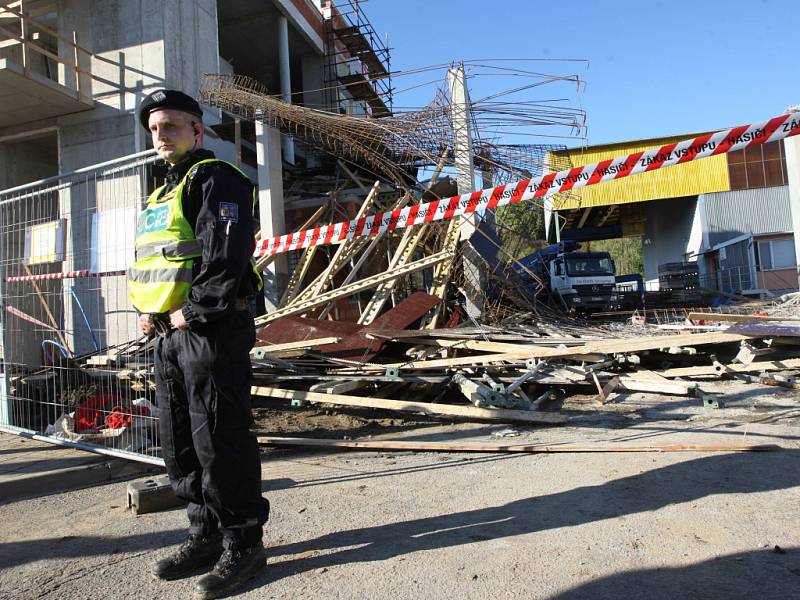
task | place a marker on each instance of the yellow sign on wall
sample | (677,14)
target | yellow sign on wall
(688,179)
(44,242)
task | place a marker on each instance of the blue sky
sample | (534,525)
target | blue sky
(652,68)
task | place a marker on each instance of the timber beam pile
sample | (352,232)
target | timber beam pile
(516,374)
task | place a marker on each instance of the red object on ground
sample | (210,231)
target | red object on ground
(122,416)
(105,410)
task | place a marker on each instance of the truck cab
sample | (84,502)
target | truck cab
(584,281)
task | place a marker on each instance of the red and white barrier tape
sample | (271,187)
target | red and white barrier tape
(61,275)
(26,317)
(542,187)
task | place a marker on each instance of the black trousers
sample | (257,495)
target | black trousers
(203,392)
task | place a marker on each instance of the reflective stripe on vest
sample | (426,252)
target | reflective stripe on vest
(178,275)
(171,250)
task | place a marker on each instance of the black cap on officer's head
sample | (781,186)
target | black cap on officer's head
(173,99)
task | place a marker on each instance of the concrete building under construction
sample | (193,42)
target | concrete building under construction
(73,72)
(76,166)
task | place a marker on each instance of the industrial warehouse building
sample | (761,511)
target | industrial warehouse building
(730,214)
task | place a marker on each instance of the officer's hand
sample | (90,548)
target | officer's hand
(146,324)
(177,320)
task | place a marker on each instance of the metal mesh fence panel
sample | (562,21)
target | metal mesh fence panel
(73,358)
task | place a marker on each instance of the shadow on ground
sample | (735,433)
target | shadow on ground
(684,482)
(13,554)
(757,574)
(764,574)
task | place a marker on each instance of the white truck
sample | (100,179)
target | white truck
(580,282)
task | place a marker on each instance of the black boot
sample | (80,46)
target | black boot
(194,553)
(234,567)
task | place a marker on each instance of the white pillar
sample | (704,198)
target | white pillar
(792,147)
(462,138)
(286,81)
(270,201)
(465,178)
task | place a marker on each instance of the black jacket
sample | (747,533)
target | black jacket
(218,203)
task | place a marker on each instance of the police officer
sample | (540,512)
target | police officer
(190,283)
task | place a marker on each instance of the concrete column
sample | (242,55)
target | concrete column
(313,81)
(270,201)
(792,147)
(286,81)
(474,279)
(462,138)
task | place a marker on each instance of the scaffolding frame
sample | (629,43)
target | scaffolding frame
(351,38)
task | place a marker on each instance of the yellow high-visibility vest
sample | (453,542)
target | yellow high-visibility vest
(160,279)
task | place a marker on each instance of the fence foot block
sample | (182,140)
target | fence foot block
(151,495)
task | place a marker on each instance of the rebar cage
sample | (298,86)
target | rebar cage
(72,353)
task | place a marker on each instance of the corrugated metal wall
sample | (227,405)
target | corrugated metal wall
(730,214)
(689,179)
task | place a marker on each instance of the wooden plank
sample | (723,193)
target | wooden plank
(47,311)
(771,365)
(300,345)
(338,387)
(364,284)
(416,446)
(646,375)
(597,385)
(343,252)
(469,335)
(613,346)
(101,359)
(608,388)
(482,346)
(656,387)
(701,316)
(450,410)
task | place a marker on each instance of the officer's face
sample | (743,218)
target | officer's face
(175,134)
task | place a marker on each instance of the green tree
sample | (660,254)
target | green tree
(521,227)
(626,252)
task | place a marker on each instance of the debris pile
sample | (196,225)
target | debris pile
(520,370)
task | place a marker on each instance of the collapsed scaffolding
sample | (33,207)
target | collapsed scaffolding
(395,150)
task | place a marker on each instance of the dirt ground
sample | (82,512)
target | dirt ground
(448,525)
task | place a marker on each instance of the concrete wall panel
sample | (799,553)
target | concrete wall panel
(188,57)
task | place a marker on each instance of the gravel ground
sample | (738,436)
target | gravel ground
(446,525)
